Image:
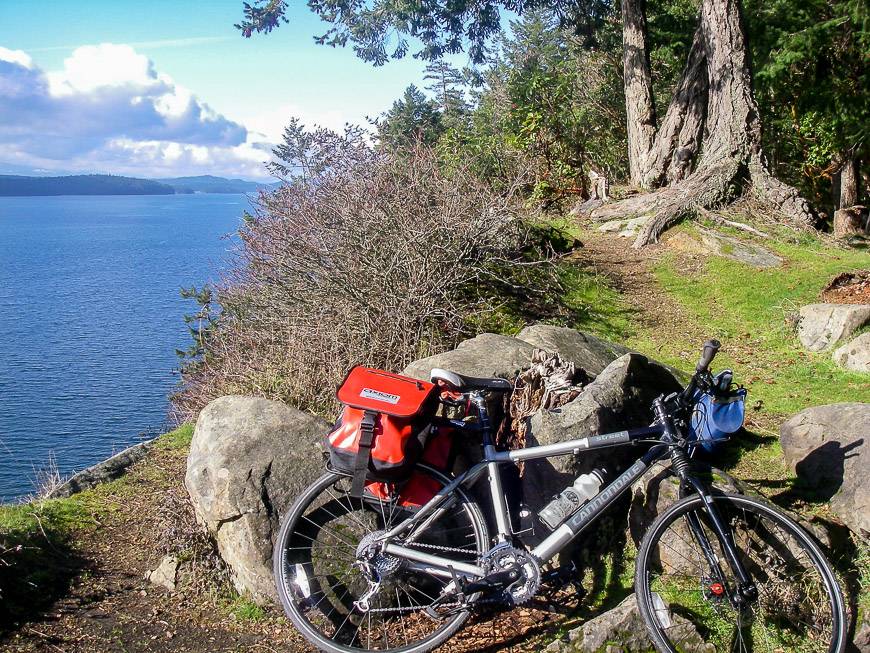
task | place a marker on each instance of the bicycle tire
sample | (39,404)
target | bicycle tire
(730,504)
(292,608)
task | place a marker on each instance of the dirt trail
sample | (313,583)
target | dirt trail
(629,271)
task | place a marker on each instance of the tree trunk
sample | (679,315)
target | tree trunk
(848,184)
(848,222)
(678,142)
(637,79)
(731,146)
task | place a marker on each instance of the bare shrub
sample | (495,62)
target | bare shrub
(362,256)
(47,478)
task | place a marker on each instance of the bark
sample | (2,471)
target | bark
(678,141)
(848,184)
(637,79)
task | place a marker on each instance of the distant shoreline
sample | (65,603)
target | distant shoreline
(127,194)
(110,185)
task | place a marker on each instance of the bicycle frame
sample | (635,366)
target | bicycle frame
(663,431)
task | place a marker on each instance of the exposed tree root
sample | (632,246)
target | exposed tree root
(710,186)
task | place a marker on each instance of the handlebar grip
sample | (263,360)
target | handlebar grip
(707,356)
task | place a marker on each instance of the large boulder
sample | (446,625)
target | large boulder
(488,354)
(584,350)
(822,326)
(828,448)
(619,398)
(855,354)
(248,460)
(622,628)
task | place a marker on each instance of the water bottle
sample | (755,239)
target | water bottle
(563,506)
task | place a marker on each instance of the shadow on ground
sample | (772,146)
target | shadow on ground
(36,568)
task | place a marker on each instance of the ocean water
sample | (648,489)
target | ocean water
(90,318)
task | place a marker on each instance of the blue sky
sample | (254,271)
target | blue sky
(162,88)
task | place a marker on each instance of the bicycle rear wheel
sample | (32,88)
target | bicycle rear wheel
(318,577)
(685,599)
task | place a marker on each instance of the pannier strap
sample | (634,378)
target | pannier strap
(363,454)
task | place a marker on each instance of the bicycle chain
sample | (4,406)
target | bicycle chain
(451,604)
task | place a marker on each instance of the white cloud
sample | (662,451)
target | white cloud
(109,110)
(93,67)
(269,125)
(16,56)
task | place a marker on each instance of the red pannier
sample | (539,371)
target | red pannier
(383,427)
(420,487)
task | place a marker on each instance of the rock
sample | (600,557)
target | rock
(103,472)
(622,629)
(488,354)
(165,574)
(585,351)
(828,448)
(625,228)
(619,398)
(248,460)
(862,635)
(855,355)
(713,242)
(824,325)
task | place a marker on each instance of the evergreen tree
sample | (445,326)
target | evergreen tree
(446,86)
(413,119)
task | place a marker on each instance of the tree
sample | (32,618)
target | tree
(413,119)
(710,141)
(446,85)
(812,79)
(708,144)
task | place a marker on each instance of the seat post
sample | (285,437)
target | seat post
(479,402)
(499,502)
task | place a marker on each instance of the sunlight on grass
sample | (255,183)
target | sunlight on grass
(179,439)
(749,309)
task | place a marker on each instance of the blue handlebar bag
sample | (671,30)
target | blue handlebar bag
(716,417)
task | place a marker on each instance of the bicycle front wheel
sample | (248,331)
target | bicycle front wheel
(322,586)
(687,596)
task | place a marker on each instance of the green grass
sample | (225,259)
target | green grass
(177,440)
(748,310)
(38,557)
(244,609)
(37,560)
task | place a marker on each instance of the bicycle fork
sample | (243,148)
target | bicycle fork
(746,588)
(747,591)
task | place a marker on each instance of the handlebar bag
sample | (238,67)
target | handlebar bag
(383,426)
(717,416)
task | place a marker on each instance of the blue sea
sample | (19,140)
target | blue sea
(90,318)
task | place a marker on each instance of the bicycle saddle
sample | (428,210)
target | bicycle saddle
(462,382)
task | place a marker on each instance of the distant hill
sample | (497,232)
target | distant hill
(212,184)
(15,185)
(20,185)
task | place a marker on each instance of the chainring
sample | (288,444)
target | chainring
(505,557)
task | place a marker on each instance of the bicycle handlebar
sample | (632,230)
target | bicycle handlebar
(711,347)
(707,356)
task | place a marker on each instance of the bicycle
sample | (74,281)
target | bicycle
(362,573)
